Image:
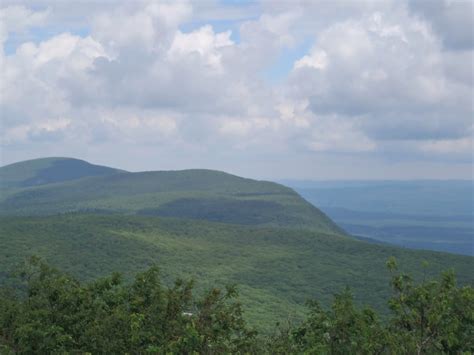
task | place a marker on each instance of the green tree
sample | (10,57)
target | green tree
(432,317)
(56,313)
(51,312)
(343,329)
(435,316)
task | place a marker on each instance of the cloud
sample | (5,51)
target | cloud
(449,146)
(336,134)
(390,74)
(378,79)
(317,60)
(18,18)
(139,25)
(34,90)
(203,42)
(453,21)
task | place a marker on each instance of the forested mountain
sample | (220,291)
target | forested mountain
(212,226)
(196,194)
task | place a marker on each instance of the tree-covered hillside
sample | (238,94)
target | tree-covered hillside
(276,269)
(213,226)
(196,194)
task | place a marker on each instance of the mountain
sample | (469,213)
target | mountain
(48,170)
(212,226)
(196,194)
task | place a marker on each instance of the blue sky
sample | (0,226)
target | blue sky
(307,89)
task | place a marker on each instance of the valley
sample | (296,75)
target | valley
(433,215)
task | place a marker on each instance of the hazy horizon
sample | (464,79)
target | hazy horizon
(279,180)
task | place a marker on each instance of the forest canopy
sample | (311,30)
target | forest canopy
(51,311)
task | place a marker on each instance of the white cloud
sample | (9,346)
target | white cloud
(238,127)
(18,18)
(34,79)
(295,113)
(390,73)
(203,42)
(144,25)
(317,59)
(76,52)
(379,79)
(46,129)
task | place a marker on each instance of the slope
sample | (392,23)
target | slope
(196,194)
(277,270)
(48,170)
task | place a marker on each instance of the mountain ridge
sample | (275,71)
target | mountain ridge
(43,171)
(193,193)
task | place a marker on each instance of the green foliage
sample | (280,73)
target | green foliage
(276,246)
(433,317)
(71,186)
(249,212)
(341,330)
(277,270)
(56,313)
(59,314)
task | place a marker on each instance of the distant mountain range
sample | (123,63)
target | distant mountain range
(212,226)
(423,214)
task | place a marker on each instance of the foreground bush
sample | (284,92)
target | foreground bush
(56,313)
(434,317)
(59,314)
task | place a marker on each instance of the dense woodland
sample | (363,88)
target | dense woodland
(120,240)
(55,313)
(55,186)
(277,269)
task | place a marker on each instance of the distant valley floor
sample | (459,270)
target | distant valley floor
(431,215)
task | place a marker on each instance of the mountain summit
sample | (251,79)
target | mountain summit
(49,170)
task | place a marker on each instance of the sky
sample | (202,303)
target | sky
(300,89)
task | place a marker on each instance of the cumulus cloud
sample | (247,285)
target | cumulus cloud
(203,42)
(379,78)
(453,21)
(389,74)
(18,18)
